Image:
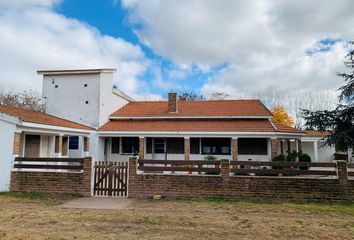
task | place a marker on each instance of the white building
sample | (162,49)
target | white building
(86,115)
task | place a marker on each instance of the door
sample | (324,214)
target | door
(32,145)
(159,149)
(111,179)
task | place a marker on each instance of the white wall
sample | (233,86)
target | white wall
(68,101)
(6,157)
(325,153)
(109,102)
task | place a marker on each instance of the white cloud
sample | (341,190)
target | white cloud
(263,42)
(33,36)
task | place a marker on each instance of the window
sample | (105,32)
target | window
(115,145)
(175,145)
(74,143)
(219,146)
(130,145)
(85,85)
(148,145)
(252,146)
(56,86)
(195,145)
(159,145)
(86,102)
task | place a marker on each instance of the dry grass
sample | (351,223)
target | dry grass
(24,217)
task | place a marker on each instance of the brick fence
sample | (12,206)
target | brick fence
(54,182)
(238,187)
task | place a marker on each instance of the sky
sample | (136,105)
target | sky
(157,46)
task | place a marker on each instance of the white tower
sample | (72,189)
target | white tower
(83,96)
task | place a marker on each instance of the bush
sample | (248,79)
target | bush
(210,158)
(304,157)
(280,158)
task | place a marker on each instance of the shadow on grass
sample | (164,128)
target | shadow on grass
(47,198)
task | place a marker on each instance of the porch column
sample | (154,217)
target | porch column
(141,147)
(58,146)
(296,145)
(315,151)
(300,145)
(274,147)
(282,147)
(18,139)
(234,148)
(289,147)
(186,148)
(86,146)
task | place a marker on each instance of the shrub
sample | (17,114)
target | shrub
(210,158)
(304,157)
(280,158)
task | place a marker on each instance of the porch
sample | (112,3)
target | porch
(245,148)
(37,144)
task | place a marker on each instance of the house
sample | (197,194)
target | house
(31,134)
(86,115)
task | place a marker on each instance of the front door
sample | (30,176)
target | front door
(32,146)
(159,149)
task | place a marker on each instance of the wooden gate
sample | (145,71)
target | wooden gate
(111,179)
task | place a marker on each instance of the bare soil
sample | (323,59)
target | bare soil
(23,218)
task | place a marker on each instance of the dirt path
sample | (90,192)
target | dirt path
(30,219)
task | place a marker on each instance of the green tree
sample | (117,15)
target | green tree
(340,122)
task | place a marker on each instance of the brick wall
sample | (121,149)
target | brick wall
(54,182)
(194,186)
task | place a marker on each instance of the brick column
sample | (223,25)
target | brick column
(141,147)
(274,148)
(225,169)
(16,149)
(342,171)
(86,146)
(87,177)
(234,149)
(58,146)
(186,148)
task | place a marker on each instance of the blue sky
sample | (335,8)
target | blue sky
(205,46)
(111,19)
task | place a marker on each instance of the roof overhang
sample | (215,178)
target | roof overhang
(76,71)
(200,134)
(51,129)
(187,117)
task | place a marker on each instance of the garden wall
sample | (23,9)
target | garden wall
(239,187)
(70,181)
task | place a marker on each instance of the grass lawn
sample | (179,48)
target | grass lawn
(37,216)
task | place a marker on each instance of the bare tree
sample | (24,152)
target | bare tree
(29,99)
(219,96)
(190,96)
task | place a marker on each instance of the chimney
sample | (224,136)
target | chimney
(172,102)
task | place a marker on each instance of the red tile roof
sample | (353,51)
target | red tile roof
(194,108)
(314,133)
(284,128)
(215,125)
(40,118)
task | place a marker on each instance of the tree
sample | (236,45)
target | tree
(190,96)
(281,116)
(340,121)
(27,99)
(219,96)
